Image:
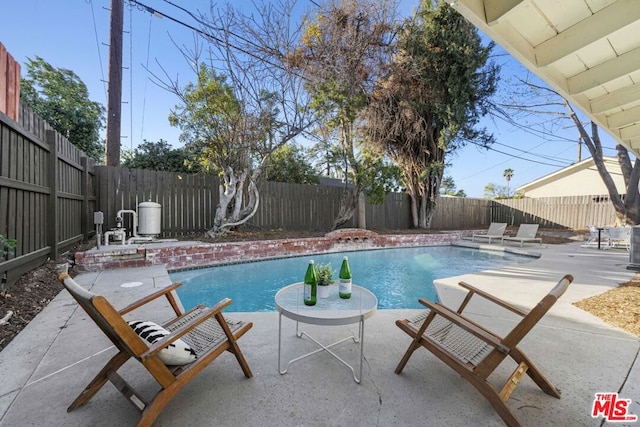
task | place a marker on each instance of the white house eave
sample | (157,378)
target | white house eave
(587,50)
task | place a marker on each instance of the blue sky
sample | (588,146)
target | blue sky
(74,34)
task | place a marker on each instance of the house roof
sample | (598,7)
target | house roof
(587,50)
(569,170)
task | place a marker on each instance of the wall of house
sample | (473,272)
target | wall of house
(580,183)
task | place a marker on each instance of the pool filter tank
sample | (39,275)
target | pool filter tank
(149,219)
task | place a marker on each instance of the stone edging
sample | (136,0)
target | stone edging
(184,255)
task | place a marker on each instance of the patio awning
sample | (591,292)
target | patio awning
(587,50)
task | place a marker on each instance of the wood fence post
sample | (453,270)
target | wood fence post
(53,217)
(84,188)
(361,210)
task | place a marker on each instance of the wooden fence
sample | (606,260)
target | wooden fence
(9,84)
(574,212)
(453,213)
(189,202)
(46,193)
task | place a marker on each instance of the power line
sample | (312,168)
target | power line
(551,158)
(146,80)
(507,160)
(533,131)
(95,30)
(207,35)
(205,24)
(522,158)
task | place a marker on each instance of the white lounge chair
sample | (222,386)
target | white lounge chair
(526,233)
(618,237)
(496,231)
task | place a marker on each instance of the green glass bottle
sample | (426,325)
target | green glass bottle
(344,290)
(310,285)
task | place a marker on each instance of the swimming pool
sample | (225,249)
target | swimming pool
(398,277)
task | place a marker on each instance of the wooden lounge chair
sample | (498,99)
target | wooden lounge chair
(204,329)
(475,352)
(496,231)
(526,233)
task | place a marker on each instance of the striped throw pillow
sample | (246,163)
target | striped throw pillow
(176,353)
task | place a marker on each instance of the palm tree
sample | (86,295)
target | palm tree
(508,174)
(447,186)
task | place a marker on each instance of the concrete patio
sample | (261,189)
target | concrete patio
(52,360)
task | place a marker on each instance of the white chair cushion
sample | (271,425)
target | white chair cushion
(176,353)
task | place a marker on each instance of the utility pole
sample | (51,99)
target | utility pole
(114,107)
(579,149)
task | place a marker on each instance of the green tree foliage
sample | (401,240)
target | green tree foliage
(325,154)
(430,103)
(157,156)
(448,187)
(289,164)
(494,191)
(378,176)
(225,140)
(212,124)
(62,99)
(341,53)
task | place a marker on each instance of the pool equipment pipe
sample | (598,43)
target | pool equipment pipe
(150,212)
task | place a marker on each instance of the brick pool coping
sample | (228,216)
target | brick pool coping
(185,255)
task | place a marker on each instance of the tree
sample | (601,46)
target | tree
(288,164)
(61,98)
(223,138)
(547,109)
(325,153)
(157,156)
(508,174)
(448,187)
(378,176)
(439,85)
(232,120)
(341,52)
(493,191)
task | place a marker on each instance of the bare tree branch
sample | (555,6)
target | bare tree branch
(247,53)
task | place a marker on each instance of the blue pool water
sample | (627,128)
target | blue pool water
(398,277)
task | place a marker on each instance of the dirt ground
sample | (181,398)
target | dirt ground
(34,290)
